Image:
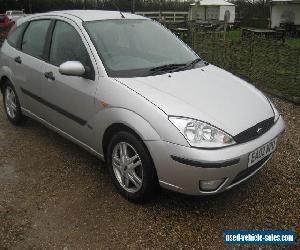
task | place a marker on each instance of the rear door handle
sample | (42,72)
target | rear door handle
(18,60)
(49,75)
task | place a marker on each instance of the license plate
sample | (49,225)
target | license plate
(261,152)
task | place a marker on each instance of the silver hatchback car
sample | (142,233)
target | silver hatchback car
(129,91)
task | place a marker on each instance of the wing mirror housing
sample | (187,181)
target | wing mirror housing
(72,68)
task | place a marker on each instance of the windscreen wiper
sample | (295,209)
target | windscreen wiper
(166,68)
(189,65)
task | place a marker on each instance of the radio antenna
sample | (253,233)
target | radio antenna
(117,7)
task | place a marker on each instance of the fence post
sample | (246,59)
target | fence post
(251,55)
(297,67)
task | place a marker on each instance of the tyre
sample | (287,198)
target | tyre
(131,167)
(12,105)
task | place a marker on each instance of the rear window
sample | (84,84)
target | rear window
(2,18)
(17,13)
(15,33)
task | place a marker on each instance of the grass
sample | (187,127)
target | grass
(293,42)
(234,35)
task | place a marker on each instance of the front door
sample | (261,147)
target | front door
(70,99)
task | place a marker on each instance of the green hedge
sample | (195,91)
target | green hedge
(262,23)
(273,67)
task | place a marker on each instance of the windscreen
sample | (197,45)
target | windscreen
(130,47)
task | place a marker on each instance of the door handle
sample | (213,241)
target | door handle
(18,60)
(49,75)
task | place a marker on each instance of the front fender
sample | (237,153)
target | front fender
(109,116)
(7,73)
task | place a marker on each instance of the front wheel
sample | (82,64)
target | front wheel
(131,167)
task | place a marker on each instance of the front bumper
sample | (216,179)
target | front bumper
(215,164)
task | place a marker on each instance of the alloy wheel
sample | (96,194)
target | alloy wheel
(127,167)
(10,102)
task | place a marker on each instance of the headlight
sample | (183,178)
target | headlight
(276,113)
(200,134)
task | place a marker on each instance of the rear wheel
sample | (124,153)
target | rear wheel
(131,167)
(12,105)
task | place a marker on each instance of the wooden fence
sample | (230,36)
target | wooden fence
(167,16)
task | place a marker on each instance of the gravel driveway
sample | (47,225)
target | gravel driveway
(53,194)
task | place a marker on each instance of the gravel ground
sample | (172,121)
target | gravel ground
(53,194)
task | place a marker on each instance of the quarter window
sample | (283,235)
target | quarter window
(67,46)
(35,38)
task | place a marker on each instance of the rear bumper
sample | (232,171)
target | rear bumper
(181,168)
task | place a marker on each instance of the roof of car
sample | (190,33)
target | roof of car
(92,15)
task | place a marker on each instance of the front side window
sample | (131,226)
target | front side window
(35,38)
(67,46)
(132,47)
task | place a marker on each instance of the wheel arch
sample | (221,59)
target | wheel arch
(111,120)
(6,74)
(117,127)
(114,128)
(3,80)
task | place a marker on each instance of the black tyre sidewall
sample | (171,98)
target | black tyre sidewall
(150,183)
(19,118)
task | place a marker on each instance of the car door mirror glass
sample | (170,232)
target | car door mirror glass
(72,68)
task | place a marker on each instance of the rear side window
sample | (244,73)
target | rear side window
(2,18)
(67,46)
(35,38)
(15,34)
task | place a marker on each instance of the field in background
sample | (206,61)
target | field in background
(293,42)
(272,66)
(235,35)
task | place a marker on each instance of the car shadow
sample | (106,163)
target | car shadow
(168,200)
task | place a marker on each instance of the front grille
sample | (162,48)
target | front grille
(255,131)
(245,173)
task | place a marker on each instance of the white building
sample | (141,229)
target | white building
(285,11)
(208,10)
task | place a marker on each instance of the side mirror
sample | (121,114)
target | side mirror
(72,68)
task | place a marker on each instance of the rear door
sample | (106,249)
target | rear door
(29,65)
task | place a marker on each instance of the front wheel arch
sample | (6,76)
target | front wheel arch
(113,129)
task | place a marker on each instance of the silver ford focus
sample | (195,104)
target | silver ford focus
(129,91)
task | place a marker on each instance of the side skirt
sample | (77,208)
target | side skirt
(62,133)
